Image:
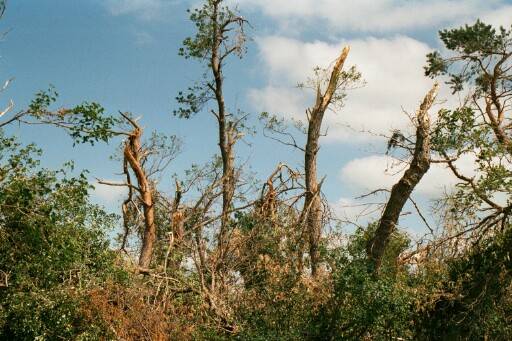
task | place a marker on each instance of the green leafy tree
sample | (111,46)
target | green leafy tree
(474,303)
(364,305)
(53,248)
(478,67)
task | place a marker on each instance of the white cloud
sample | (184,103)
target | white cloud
(499,17)
(370,173)
(392,69)
(371,15)
(364,175)
(145,9)
(285,101)
(355,211)
(108,195)
(382,172)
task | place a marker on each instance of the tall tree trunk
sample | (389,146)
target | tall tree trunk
(312,204)
(312,211)
(402,190)
(225,133)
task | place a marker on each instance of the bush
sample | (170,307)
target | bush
(53,249)
(364,305)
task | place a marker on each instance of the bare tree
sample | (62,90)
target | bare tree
(133,155)
(144,159)
(312,211)
(88,123)
(336,82)
(10,106)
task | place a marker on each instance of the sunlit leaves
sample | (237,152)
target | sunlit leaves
(52,245)
(85,123)
(474,52)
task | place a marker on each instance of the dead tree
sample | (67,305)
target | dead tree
(87,123)
(312,211)
(136,156)
(133,155)
(402,190)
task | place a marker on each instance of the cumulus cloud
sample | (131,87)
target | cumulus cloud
(391,67)
(365,175)
(372,15)
(499,17)
(286,101)
(382,172)
(355,211)
(108,195)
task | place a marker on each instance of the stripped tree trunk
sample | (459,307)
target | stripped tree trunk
(133,156)
(312,211)
(402,190)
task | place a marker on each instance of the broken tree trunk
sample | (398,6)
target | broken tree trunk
(133,156)
(312,211)
(402,190)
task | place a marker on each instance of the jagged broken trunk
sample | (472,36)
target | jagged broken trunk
(312,211)
(132,154)
(402,190)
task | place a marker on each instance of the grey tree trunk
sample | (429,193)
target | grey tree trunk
(226,132)
(402,190)
(312,211)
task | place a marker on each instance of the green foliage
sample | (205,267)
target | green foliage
(477,38)
(466,298)
(52,248)
(212,20)
(476,49)
(192,101)
(456,130)
(364,305)
(475,302)
(219,34)
(478,61)
(43,100)
(472,300)
(460,132)
(85,123)
(277,303)
(59,279)
(349,304)
(264,251)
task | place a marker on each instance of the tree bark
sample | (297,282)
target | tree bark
(402,190)
(312,211)
(225,133)
(132,154)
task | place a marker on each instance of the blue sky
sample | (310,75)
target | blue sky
(123,54)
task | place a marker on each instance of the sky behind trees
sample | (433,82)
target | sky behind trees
(123,54)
